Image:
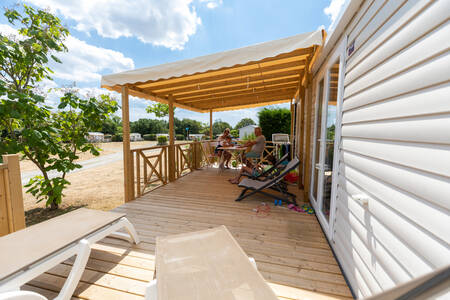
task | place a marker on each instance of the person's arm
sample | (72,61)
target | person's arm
(250,143)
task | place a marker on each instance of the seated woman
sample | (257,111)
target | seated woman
(224,141)
(254,170)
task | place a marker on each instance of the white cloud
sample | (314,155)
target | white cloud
(167,23)
(334,10)
(211,4)
(83,62)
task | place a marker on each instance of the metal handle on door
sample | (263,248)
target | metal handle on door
(361,199)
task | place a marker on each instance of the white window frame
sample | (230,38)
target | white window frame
(339,53)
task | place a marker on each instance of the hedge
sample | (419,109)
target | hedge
(276,120)
(162,140)
(117,138)
(149,137)
(179,137)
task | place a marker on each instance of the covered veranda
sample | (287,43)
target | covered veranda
(263,74)
(289,247)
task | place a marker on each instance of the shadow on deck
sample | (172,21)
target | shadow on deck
(290,248)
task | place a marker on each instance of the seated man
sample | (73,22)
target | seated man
(258,145)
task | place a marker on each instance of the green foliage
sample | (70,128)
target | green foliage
(275,120)
(248,137)
(330,132)
(179,137)
(162,140)
(219,126)
(23,60)
(244,122)
(146,126)
(160,110)
(112,125)
(149,137)
(50,138)
(117,138)
(234,133)
(181,125)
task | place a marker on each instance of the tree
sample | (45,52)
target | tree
(147,126)
(50,139)
(181,125)
(112,125)
(219,126)
(160,110)
(244,122)
(274,120)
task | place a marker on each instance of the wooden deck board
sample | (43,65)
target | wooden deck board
(289,247)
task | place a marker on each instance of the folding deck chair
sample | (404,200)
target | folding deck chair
(271,172)
(276,183)
(30,252)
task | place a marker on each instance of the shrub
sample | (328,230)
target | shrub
(117,138)
(275,120)
(162,140)
(234,133)
(179,137)
(149,137)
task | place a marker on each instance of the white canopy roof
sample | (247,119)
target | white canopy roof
(182,78)
(216,61)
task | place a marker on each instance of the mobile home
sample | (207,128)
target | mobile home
(370,124)
(373,126)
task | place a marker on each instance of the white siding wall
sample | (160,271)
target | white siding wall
(395,145)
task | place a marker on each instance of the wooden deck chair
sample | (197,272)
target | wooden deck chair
(30,252)
(275,183)
(270,172)
(209,153)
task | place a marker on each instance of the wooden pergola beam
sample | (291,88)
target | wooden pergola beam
(187,97)
(260,96)
(227,82)
(251,105)
(243,93)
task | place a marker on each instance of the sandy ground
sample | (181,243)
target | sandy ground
(98,188)
(107,148)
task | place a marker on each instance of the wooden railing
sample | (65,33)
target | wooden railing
(12,217)
(151,164)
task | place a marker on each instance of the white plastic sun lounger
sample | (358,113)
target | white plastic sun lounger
(30,252)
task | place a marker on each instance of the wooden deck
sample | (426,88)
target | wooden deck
(289,247)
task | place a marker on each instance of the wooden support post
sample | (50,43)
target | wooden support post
(11,197)
(210,124)
(138,173)
(291,138)
(301,142)
(128,184)
(308,137)
(171,141)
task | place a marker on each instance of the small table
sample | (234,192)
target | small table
(207,264)
(233,149)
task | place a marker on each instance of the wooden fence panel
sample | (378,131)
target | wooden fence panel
(12,216)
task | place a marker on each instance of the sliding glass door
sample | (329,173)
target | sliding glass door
(326,138)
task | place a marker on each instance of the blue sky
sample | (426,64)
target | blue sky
(115,35)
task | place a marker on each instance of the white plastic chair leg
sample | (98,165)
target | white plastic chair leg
(151,292)
(76,272)
(131,236)
(21,295)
